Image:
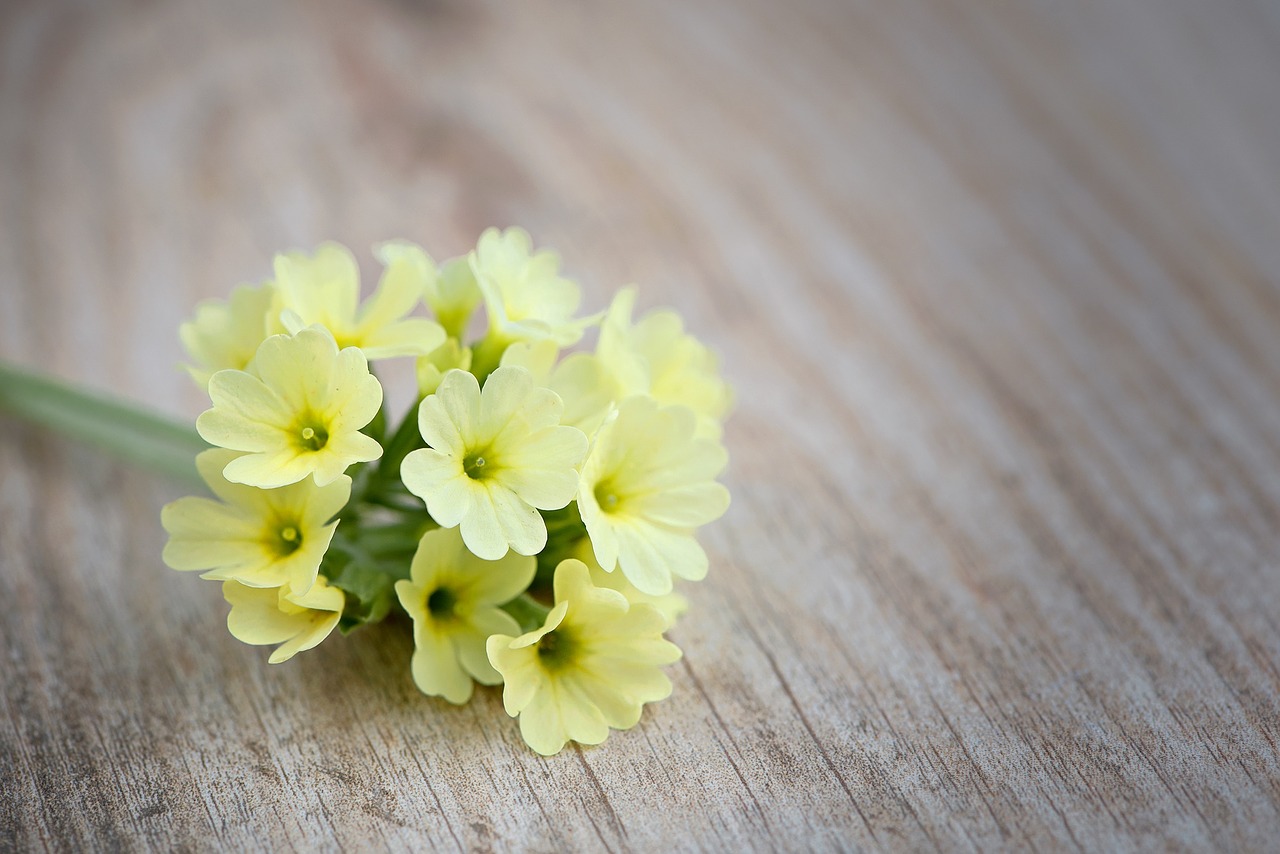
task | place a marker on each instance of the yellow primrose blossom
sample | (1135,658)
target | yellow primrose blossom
(655,356)
(324,289)
(582,384)
(450,290)
(432,367)
(647,484)
(525,295)
(300,415)
(259,537)
(494,459)
(273,615)
(454,296)
(592,665)
(226,334)
(670,605)
(453,598)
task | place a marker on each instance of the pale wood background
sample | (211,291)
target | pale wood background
(998,284)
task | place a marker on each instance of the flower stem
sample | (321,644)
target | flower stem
(405,439)
(140,435)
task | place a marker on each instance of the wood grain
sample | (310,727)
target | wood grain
(999,288)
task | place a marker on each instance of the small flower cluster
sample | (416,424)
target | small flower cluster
(528,514)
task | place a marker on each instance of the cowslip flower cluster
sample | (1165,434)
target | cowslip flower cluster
(529,514)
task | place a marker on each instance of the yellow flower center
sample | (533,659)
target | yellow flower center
(441,603)
(287,539)
(312,436)
(607,497)
(475,467)
(556,649)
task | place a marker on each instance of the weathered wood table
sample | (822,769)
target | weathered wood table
(999,288)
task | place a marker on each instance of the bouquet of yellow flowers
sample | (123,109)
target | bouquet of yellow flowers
(529,512)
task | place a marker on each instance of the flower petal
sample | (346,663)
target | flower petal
(522,526)
(503,395)
(481,528)
(436,669)
(617,708)
(246,415)
(521,674)
(683,507)
(205,534)
(459,396)
(541,723)
(583,720)
(494,582)
(438,428)
(439,481)
(469,643)
(542,469)
(268,471)
(414,336)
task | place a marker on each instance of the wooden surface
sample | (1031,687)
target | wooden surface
(999,288)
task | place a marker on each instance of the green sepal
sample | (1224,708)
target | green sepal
(370,594)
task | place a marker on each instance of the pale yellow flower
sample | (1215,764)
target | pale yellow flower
(450,290)
(646,486)
(525,295)
(273,615)
(226,334)
(259,537)
(299,415)
(324,289)
(494,459)
(432,367)
(586,389)
(592,665)
(655,356)
(453,598)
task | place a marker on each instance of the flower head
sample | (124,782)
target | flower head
(259,537)
(655,356)
(324,289)
(495,458)
(592,665)
(450,290)
(525,294)
(582,384)
(226,334)
(264,616)
(453,598)
(299,415)
(647,484)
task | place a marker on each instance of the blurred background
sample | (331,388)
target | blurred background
(998,285)
(156,153)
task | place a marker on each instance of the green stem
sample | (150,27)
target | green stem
(406,439)
(132,432)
